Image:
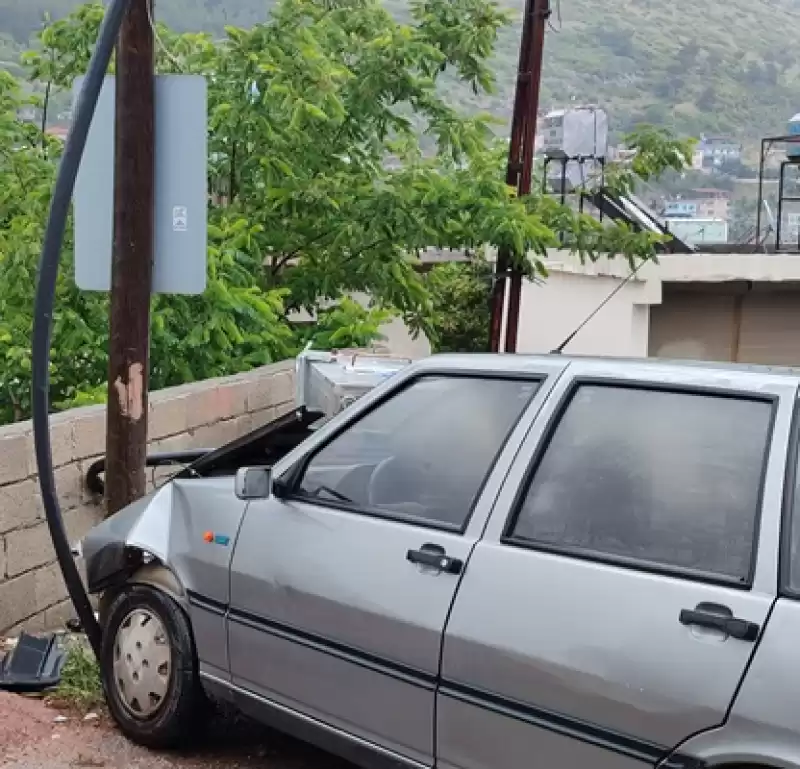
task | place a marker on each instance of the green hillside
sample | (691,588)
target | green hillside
(701,66)
(714,67)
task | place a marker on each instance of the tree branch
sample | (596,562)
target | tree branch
(281,262)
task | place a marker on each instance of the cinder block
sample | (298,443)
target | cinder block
(232,398)
(168,416)
(62,440)
(28,548)
(239,391)
(203,408)
(206,436)
(225,432)
(239,426)
(90,434)
(34,624)
(20,505)
(48,587)
(258,419)
(80,519)
(283,387)
(173,443)
(16,454)
(259,394)
(69,483)
(55,617)
(16,603)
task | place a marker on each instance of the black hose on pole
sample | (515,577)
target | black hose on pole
(43,311)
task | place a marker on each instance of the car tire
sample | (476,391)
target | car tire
(149,669)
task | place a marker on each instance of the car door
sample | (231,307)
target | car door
(614,603)
(340,590)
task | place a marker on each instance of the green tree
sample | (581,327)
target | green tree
(335,158)
(460,294)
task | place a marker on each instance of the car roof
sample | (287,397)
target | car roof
(520,363)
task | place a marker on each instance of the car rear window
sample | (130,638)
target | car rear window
(790,557)
(670,479)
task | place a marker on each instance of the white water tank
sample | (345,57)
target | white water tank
(576,132)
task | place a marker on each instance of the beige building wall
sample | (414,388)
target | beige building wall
(746,323)
(743,307)
(550,312)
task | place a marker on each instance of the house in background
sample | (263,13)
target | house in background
(705,203)
(718,150)
(696,230)
(711,203)
(706,306)
(700,218)
(680,209)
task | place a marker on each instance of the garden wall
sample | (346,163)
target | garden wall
(198,415)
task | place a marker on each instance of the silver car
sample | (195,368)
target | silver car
(487,562)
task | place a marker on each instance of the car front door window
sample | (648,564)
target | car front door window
(424,453)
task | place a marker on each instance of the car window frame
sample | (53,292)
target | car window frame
(789,501)
(508,539)
(294,475)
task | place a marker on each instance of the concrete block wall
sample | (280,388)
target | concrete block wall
(197,415)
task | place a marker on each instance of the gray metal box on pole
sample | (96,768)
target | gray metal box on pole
(181,190)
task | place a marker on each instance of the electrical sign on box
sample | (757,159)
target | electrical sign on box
(181,189)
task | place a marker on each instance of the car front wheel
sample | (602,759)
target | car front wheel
(149,668)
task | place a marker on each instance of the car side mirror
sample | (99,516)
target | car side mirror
(253,482)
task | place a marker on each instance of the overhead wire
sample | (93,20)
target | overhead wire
(159,42)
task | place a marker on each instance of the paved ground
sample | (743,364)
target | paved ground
(32,736)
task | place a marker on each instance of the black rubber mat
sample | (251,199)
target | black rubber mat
(34,664)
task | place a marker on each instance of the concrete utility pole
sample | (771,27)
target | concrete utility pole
(520,165)
(132,264)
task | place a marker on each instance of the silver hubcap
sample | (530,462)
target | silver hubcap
(142,663)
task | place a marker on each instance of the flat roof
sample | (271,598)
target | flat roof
(698,267)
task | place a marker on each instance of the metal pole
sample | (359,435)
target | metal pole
(760,190)
(540,14)
(520,162)
(132,266)
(780,207)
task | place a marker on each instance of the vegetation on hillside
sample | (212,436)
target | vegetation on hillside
(724,67)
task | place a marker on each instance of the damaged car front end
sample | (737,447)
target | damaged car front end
(161,567)
(153,538)
(154,532)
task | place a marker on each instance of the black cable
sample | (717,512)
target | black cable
(43,311)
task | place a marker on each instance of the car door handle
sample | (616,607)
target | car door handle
(718,617)
(435,557)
